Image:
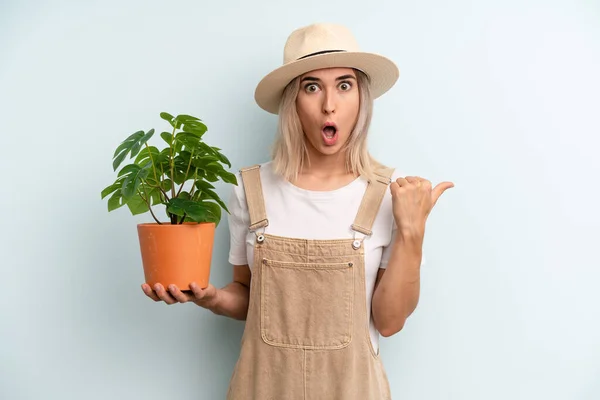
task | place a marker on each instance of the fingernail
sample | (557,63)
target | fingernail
(172,288)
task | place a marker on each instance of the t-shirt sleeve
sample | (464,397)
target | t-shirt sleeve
(387,250)
(239,220)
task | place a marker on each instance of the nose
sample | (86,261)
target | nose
(328,102)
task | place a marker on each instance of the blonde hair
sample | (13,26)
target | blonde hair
(289,150)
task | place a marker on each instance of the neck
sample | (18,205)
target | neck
(325,166)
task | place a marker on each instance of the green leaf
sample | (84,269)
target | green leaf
(149,153)
(131,145)
(166,185)
(207,149)
(138,145)
(116,200)
(219,171)
(130,139)
(182,159)
(201,162)
(163,159)
(170,119)
(155,196)
(222,157)
(184,195)
(124,148)
(166,116)
(110,189)
(202,185)
(198,129)
(133,181)
(193,209)
(207,193)
(212,166)
(210,176)
(214,210)
(151,181)
(186,118)
(187,139)
(228,177)
(137,205)
(181,168)
(167,137)
(128,169)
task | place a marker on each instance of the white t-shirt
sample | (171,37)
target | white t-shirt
(298,213)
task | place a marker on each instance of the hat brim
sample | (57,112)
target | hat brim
(382,72)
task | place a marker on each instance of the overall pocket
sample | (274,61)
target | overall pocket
(307,305)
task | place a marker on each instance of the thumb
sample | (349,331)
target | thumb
(200,293)
(210,291)
(438,190)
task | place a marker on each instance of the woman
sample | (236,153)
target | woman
(326,243)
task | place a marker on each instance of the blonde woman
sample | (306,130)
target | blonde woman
(326,242)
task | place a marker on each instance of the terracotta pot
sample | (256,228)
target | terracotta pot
(176,254)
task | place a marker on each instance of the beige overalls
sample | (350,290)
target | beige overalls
(307,332)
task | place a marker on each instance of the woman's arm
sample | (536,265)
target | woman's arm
(232,300)
(397,294)
(397,287)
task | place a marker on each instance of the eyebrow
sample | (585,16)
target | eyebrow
(339,78)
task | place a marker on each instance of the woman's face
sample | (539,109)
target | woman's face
(328,104)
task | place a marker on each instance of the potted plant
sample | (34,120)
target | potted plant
(177,251)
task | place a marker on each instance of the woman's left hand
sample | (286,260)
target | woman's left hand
(412,200)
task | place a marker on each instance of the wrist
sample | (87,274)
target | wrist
(214,304)
(411,233)
(410,239)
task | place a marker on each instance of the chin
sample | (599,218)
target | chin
(330,150)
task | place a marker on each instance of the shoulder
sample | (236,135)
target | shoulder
(265,170)
(387,171)
(266,174)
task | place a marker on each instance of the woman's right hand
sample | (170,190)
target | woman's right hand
(205,298)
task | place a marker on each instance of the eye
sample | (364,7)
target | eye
(345,86)
(311,87)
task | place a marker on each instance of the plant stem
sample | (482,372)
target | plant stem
(182,219)
(194,183)
(162,173)
(172,163)
(156,177)
(161,190)
(173,217)
(186,173)
(149,208)
(152,161)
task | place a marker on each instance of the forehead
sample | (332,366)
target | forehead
(329,73)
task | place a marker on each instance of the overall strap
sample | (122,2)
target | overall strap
(371,201)
(254,197)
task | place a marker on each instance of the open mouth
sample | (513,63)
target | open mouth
(330,133)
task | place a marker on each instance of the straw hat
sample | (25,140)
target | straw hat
(323,46)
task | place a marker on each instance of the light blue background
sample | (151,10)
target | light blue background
(501,97)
